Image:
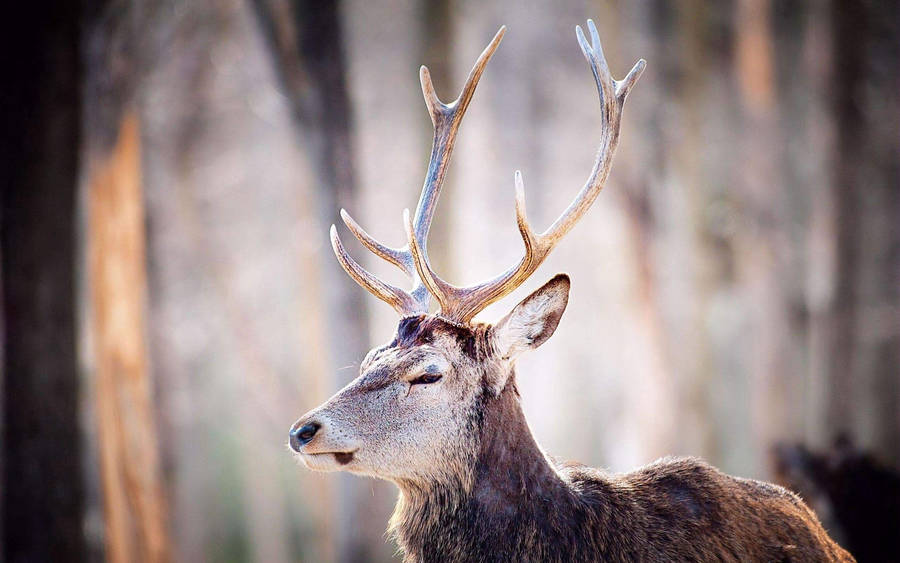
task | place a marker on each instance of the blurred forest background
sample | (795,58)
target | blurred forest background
(171,303)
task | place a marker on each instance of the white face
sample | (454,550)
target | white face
(408,413)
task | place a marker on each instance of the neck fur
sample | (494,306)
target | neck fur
(507,483)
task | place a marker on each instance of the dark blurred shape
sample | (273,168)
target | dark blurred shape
(856,497)
(867,208)
(43,498)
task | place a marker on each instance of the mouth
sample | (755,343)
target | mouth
(327,461)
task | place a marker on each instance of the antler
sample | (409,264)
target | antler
(446,119)
(462,303)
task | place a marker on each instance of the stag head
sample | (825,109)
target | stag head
(414,414)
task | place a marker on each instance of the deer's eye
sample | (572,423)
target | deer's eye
(426,378)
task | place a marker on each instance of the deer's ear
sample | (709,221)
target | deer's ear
(534,320)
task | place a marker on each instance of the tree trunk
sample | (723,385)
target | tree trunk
(864,345)
(129,461)
(305,38)
(846,84)
(42,485)
(133,495)
(764,249)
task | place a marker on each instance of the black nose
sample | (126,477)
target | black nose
(301,436)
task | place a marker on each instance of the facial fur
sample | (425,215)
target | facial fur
(389,424)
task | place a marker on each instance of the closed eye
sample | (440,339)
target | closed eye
(426,379)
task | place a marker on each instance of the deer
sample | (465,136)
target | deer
(437,411)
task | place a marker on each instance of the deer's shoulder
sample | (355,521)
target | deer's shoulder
(693,488)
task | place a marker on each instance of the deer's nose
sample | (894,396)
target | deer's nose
(302,435)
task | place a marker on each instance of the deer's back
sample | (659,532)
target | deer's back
(684,509)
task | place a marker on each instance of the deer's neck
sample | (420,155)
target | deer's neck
(510,467)
(512,488)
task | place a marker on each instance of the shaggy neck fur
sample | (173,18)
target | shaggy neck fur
(505,501)
(507,491)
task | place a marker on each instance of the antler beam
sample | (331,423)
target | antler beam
(461,304)
(446,119)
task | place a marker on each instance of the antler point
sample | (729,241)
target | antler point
(336,245)
(407,222)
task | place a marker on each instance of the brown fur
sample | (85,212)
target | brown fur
(475,486)
(524,506)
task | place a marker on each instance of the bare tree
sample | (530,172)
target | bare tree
(305,40)
(42,488)
(862,323)
(133,497)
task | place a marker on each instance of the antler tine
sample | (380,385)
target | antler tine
(463,303)
(446,119)
(403,302)
(395,256)
(612,97)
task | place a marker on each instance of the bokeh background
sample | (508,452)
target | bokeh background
(171,303)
